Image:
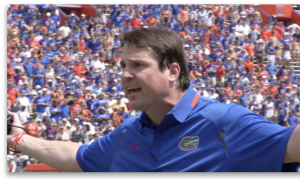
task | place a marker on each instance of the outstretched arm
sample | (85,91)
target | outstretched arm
(60,155)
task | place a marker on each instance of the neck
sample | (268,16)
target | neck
(157,114)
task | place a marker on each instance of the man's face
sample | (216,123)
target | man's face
(145,86)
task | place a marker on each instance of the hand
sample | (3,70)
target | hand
(14,132)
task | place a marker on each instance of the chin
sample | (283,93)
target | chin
(135,106)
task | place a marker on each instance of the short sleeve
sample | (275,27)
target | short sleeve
(98,156)
(254,143)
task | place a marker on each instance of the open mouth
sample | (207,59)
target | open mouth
(133,90)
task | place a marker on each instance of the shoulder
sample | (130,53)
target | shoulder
(219,113)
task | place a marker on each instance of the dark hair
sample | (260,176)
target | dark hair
(166,46)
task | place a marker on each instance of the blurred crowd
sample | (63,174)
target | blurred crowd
(63,78)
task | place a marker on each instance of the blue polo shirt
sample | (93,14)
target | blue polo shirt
(210,136)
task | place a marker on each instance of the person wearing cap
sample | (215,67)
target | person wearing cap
(62,135)
(212,94)
(40,103)
(32,127)
(124,100)
(173,117)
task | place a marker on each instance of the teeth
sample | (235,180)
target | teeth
(130,88)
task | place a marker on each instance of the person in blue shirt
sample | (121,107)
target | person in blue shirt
(292,75)
(38,75)
(173,23)
(92,103)
(60,69)
(41,103)
(55,111)
(272,69)
(56,18)
(94,45)
(293,120)
(211,70)
(44,60)
(177,129)
(102,116)
(65,110)
(244,99)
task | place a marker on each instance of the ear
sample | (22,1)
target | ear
(174,72)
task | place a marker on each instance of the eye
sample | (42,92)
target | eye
(137,64)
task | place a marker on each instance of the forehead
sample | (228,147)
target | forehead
(132,53)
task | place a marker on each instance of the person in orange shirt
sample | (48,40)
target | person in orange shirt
(250,48)
(12,93)
(220,71)
(255,26)
(249,64)
(79,69)
(135,22)
(33,43)
(184,14)
(86,112)
(262,72)
(32,127)
(265,34)
(42,27)
(206,35)
(74,107)
(10,72)
(151,20)
(81,44)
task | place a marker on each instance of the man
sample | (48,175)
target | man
(65,29)
(41,103)
(38,74)
(55,111)
(62,135)
(211,70)
(50,131)
(103,117)
(32,127)
(12,93)
(60,69)
(23,114)
(21,162)
(177,130)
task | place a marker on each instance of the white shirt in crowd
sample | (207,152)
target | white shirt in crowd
(213,96)
(294,27)
(20,162)
(23,115)
(65,30)
(62,136)
(24,101)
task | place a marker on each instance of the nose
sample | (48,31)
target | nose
(127,74)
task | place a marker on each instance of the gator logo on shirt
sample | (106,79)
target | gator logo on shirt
(188,143)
